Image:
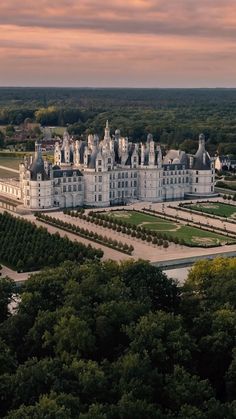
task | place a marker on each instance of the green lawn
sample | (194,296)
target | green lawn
(191,235)
(148,221)
(214,208)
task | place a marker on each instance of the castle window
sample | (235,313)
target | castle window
(69,188)
(64,188)
(196,179)
(64,179)
(100,198)
(109,161)
(69,179)
(99,162)
(100,179)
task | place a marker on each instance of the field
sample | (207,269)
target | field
(214,208)
(192,235)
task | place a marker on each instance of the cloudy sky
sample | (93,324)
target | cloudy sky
(143,43)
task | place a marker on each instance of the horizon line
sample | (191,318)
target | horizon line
(116,87)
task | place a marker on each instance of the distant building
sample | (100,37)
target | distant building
(224,163)
(113,171)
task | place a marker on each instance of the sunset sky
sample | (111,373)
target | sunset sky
(130,43)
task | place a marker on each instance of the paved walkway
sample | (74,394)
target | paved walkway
(9,169)
(17,277)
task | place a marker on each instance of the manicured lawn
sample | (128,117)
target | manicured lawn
(214,208)
(191,235)
(196,236)
(144,220)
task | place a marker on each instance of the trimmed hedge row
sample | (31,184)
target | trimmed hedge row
(85,233)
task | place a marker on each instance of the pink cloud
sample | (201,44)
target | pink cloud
(141,42)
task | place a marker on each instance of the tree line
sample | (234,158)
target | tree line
(174,116)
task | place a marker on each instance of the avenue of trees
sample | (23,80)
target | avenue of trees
(174,116)
(104,340)
(27,247)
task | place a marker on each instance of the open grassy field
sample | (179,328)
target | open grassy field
(214,208)
(192,235)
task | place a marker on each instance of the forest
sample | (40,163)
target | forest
(174,116)
(102,340)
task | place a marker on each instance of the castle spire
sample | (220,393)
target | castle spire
(38,150)
(201,142)
(107,132)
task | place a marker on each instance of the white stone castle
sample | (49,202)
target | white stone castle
(112,171)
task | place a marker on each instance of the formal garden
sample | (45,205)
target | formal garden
(218,209)
(155,229)
(190,235)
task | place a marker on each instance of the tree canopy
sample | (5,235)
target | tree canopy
(120,341)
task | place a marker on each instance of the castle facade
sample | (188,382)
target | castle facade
(113,171)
